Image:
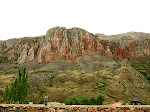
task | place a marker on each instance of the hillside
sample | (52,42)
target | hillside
(73,61)
(117,82)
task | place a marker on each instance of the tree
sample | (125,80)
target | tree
(6,94)
(19,89)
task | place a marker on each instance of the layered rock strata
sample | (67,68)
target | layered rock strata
(69,44)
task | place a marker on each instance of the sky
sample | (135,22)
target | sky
(21,18)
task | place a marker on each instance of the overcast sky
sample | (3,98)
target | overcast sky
(20,18)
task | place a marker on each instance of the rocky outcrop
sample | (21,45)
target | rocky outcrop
(69,44)
(30,55)
(135,49)
(23,56)
(108,52)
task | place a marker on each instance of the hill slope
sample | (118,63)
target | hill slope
(120,84)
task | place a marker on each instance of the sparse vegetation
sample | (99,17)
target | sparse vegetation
(59,85)
(102,85)
(3,60)
(143,66)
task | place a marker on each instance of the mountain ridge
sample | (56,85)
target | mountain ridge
(60,42)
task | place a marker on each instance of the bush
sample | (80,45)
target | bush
(102,85)
(83,100)
(100,99)
(77,100)
(93,101)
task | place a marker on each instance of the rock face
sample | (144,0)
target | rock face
(60,42)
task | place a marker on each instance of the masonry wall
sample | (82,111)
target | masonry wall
(73,108)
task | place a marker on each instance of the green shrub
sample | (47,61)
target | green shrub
(110,95)
(83,100)
(77,100)
(71,87)
(102,85)
(93,101)
(97,101)
(100,99)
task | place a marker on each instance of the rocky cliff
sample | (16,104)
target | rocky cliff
(73,43)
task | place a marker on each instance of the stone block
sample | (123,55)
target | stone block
(83,110)
(113,110)
(108,110)
(99,108)
(32,110)
(60,111)
(128,111)
(90,109)
(75,108)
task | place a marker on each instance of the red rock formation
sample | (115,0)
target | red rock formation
(119,53)
(108,52)
(69,44)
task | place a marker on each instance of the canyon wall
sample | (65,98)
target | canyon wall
(69,44)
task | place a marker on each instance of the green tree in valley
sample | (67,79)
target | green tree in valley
(19,89)
(6,94)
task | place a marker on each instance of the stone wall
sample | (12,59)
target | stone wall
(73,108)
